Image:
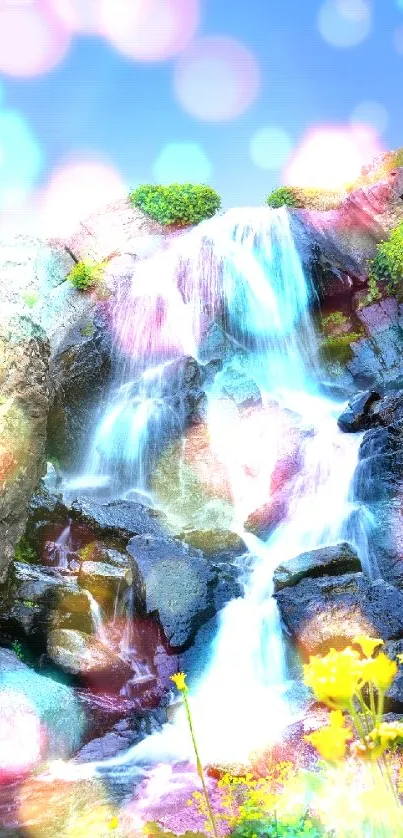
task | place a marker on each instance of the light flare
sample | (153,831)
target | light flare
(330,156)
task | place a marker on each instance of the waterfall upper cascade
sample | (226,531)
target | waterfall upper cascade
(242,271)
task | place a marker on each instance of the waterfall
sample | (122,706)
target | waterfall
(98,622)
(241,270)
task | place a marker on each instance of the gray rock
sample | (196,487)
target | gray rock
(60,713)
(356,417)
(83,655)
(326,561)
(37,599)
(79,373)
(180,585)
(104,747)
(121,519)
(24,402)
(216,345)
(240,388)
(330,610)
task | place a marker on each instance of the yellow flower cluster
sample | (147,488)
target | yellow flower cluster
(338,677)
(338,680)
(331,741)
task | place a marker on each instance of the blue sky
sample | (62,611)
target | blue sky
(97,103)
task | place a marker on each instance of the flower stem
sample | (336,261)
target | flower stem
(200,767)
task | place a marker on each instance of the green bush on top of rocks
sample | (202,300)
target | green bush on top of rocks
(178,204)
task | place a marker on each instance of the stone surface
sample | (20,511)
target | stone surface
(79,371)
(378,358)
(119,518)
(356,416)
(180,585)
(38,599)
(106,582)
(24,401)
(326,561)
(336,245)
(330,610)
(80,654)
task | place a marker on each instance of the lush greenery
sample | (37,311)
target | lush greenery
(296,196)
(86,275)
(387,267)
(178,204)
(335,321)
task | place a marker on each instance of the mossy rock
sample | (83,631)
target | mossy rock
(304,198)
(338,347)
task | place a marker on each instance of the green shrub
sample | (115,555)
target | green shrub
(388,263)
(85,275)
(180,203)
(304,198)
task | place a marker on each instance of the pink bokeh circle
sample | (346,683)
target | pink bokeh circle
(74,191)
(216,78)
(149,30)
(33,39)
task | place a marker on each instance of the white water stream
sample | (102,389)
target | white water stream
(243,270)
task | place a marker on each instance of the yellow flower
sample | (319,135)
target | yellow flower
(179,681)
(336,678)
(367,644)
(387,732)
(379,671)
(331,741)
(400,658)
(113,823)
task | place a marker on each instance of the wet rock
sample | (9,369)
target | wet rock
(378,358)
(394,696)
(212,542)
(240,388)
(180,585)
(24,401)
(356,416)
(330,610)
(262,521)
(55,705)
(105,582)
(216,344)
(105,747)
(80,654)
(37,599)
(326,561)
(120,519)
(79,373)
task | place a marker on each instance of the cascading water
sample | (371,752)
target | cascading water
(243,271)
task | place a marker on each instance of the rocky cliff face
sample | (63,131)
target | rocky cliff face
(24,403)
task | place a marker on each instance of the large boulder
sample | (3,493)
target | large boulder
(330,610)
(333,560)
(24,402)
(336,245)
(120,519)
(181,586)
